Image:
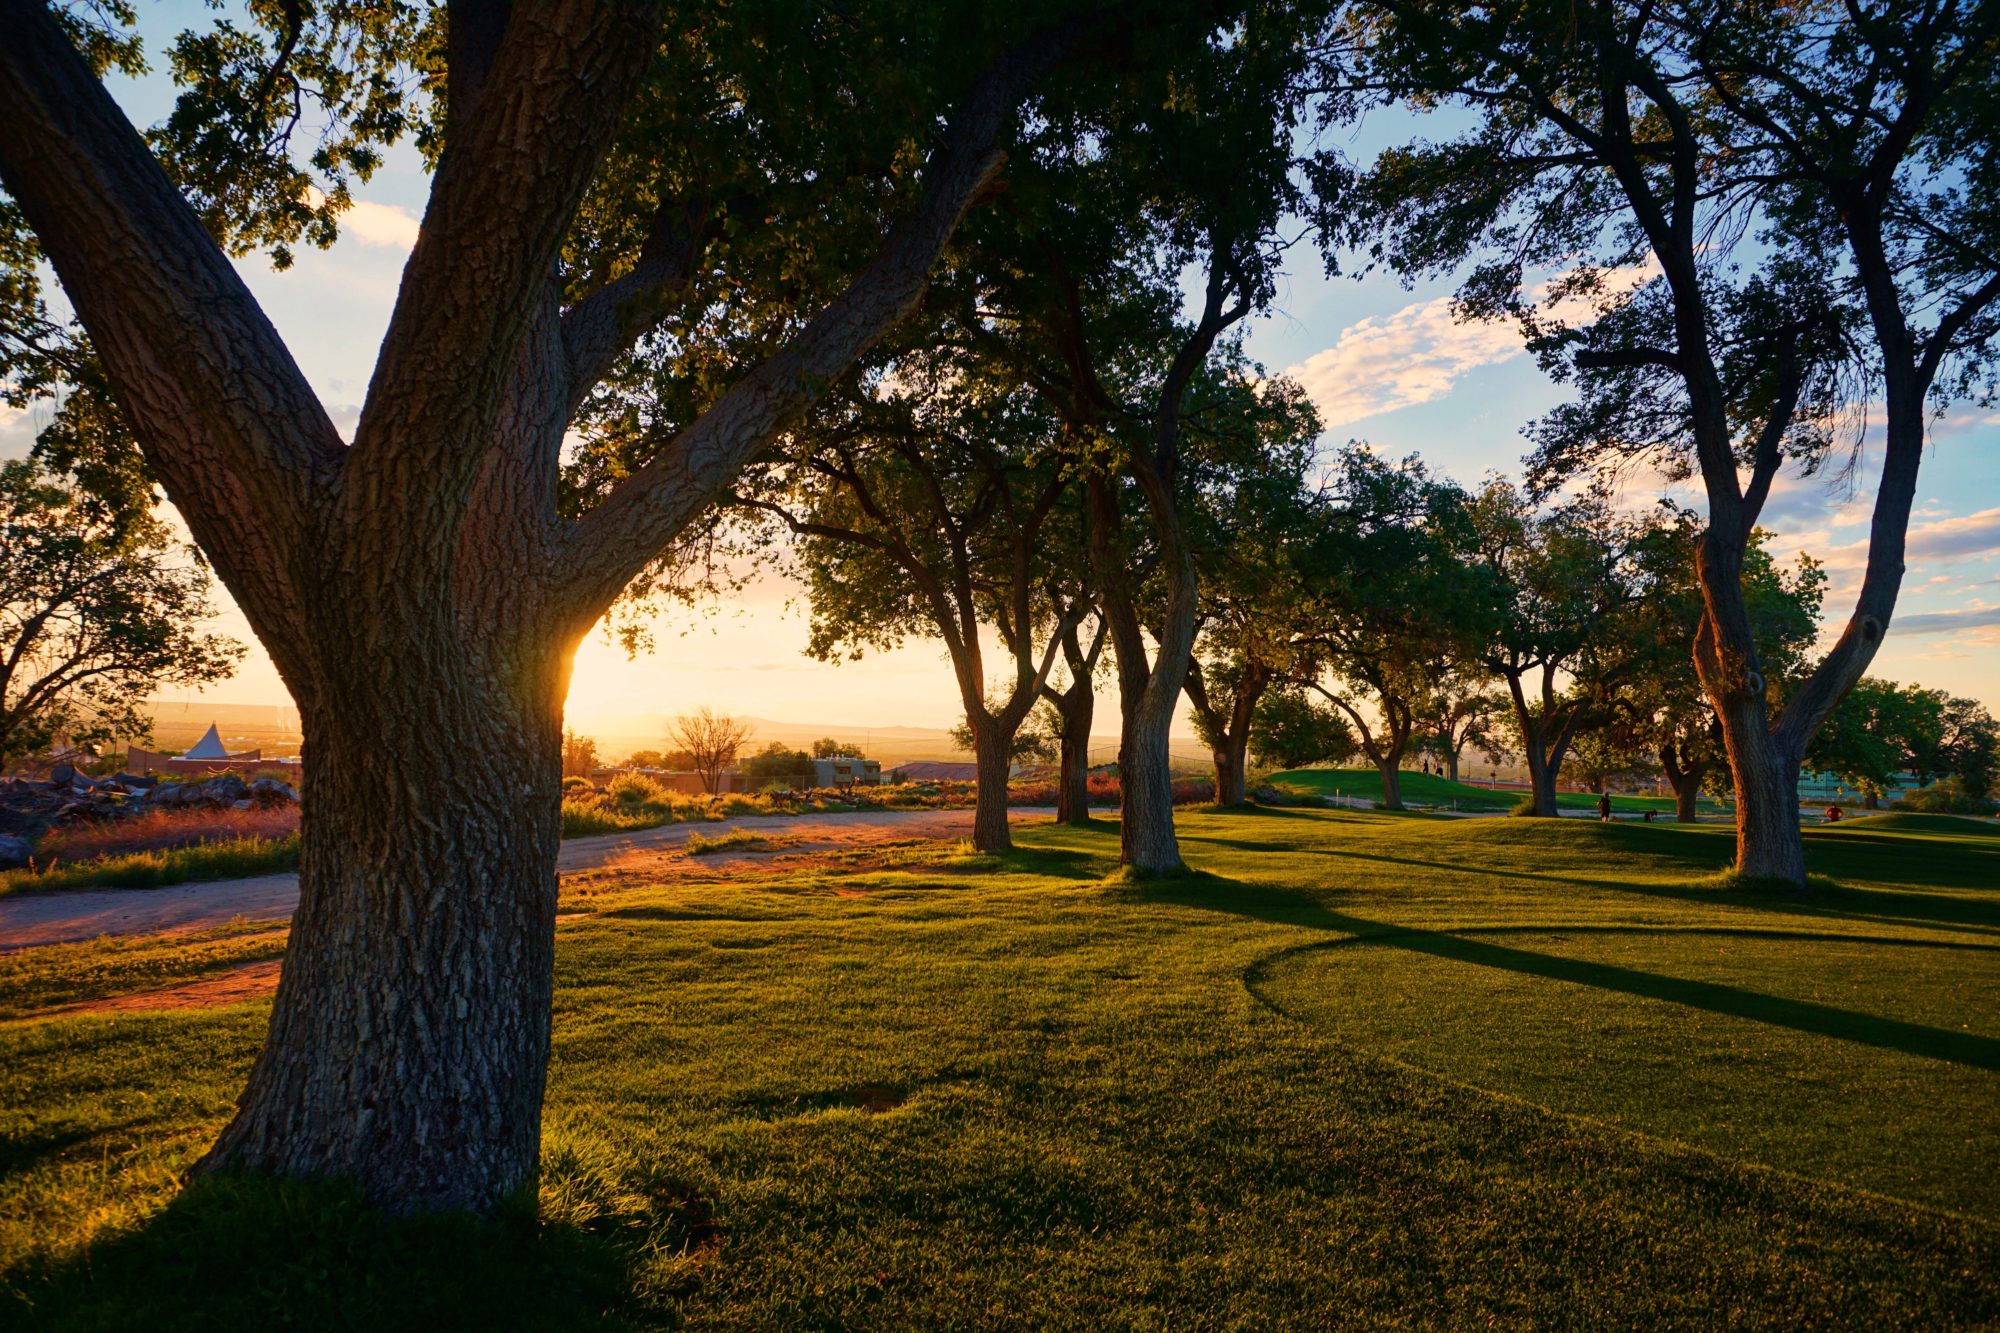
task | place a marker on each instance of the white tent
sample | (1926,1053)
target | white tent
(208,747)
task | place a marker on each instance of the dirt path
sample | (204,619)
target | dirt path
(31,919)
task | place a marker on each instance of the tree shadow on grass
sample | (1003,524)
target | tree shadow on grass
(1906,907)
(252,1252)
(1294,907)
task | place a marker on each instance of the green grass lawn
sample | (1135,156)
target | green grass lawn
(1367,1070)
(1427,790)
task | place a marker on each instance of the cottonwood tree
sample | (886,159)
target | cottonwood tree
(99,608)
(1396,600)
(1460,709)
(1073,701)
(1812,184)
(1883,729)
(711,741)
(1083,267)
(754,197)
(1563,586)
(1252,525)
(923,501)
(1660,713)
(1291,729)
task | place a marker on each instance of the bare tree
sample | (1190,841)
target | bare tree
(711,740)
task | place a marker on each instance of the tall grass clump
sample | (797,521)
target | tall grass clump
(226,858)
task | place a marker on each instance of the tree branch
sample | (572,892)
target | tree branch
(614,540)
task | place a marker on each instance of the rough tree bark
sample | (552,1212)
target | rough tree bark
(420,590)
(991,741)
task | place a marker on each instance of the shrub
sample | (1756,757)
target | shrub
(1525,807)
(588,816)
(575,784)
(1947,798)
(634,790)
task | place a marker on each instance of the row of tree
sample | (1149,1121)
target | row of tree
(676,236)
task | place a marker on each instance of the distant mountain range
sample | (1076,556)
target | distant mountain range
(275,729)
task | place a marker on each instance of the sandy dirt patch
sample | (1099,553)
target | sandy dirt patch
(29,920)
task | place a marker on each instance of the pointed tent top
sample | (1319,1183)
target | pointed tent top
(208,747)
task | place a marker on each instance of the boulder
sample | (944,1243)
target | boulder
(270,791)
(14,853)
(226,789)
(62,774)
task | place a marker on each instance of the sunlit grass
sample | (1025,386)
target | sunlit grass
(225,858)
(1426,789)
(1362,1070)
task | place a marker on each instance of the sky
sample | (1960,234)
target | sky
(1385,364)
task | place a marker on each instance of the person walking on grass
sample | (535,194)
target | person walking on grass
(1604,807)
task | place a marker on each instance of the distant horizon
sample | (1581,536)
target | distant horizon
(619,734)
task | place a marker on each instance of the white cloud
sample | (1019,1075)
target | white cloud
(380,224)
(1946,622)
(1410,357)
(1416,354)
(1943,539)
(383,225)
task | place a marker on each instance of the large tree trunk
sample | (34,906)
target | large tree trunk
(1451,764)
(1231,759)
(1541,779)
(1392,783)
(1148,691)
(1073,783)
(990,744)
(1763,772)
(1685,777)
(1769,845)
(410,1036)
(1146,808)
(1076,707)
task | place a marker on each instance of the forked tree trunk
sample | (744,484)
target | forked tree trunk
(1228,730)
(1545,741)
(1762,771)
(1685,777)
(410,1035)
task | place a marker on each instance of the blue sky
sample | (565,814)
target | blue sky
(1385,363)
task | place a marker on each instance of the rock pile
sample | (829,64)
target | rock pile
(28,806)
